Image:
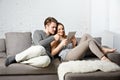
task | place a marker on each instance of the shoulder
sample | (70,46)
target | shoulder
(38,31)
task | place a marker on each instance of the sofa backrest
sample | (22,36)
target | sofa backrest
(2,45)
(16,42)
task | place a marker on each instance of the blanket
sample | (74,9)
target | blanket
(84,66)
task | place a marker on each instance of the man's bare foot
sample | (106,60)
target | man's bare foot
(105,59)
(108,50)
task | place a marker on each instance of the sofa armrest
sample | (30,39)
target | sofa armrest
(114,57)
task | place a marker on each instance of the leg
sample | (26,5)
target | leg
(85,37)
(97,50)
(96,47)
(79,51)
(105,50)
(86,42)
(41,61)
(31,52)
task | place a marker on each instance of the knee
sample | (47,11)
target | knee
(42,61)
(46,61)
(90,41)
(39,49)
(87,35)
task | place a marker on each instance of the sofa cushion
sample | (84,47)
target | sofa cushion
(2,45)
(23,69)
(2,55)
(17,42)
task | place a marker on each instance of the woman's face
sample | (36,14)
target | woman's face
(60,30)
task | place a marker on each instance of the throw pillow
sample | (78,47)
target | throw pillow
(16,42)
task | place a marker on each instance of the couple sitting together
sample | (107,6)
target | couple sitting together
(53,41)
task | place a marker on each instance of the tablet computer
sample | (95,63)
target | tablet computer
(70,35)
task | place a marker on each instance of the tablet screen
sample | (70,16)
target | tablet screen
(70,35)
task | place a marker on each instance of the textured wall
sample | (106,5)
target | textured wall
(83,16)
(116,41)
(29,15)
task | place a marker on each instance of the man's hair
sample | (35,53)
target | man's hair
(49,20)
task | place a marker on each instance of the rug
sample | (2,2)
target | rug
(84,66)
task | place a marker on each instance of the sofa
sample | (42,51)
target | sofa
(15,42)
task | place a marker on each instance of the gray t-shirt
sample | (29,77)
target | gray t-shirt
(41,38)
(65,50)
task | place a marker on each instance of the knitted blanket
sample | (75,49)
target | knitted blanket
(84,66)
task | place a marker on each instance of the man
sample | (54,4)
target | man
(38,55)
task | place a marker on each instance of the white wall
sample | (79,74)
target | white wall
(98,17)
(105,15)
(114,21)
(100,21)
(105,21)
(114,16)
(29,15)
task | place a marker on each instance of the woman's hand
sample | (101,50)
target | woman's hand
(74,41)
(56,46)
(64,42)
(57,37)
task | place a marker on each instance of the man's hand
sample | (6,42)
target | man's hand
(57,37)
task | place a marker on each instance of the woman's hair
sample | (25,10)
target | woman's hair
(63,28)
(49,20)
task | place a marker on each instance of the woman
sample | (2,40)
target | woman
(73,51)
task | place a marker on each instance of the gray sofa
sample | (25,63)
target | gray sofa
(15,42)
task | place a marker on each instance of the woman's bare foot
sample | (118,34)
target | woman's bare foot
(105,59)
(108,50)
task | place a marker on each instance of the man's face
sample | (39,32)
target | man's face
(52,28)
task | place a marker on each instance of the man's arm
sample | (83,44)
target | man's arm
(39,38)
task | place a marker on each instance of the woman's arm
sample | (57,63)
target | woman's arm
(56,46)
